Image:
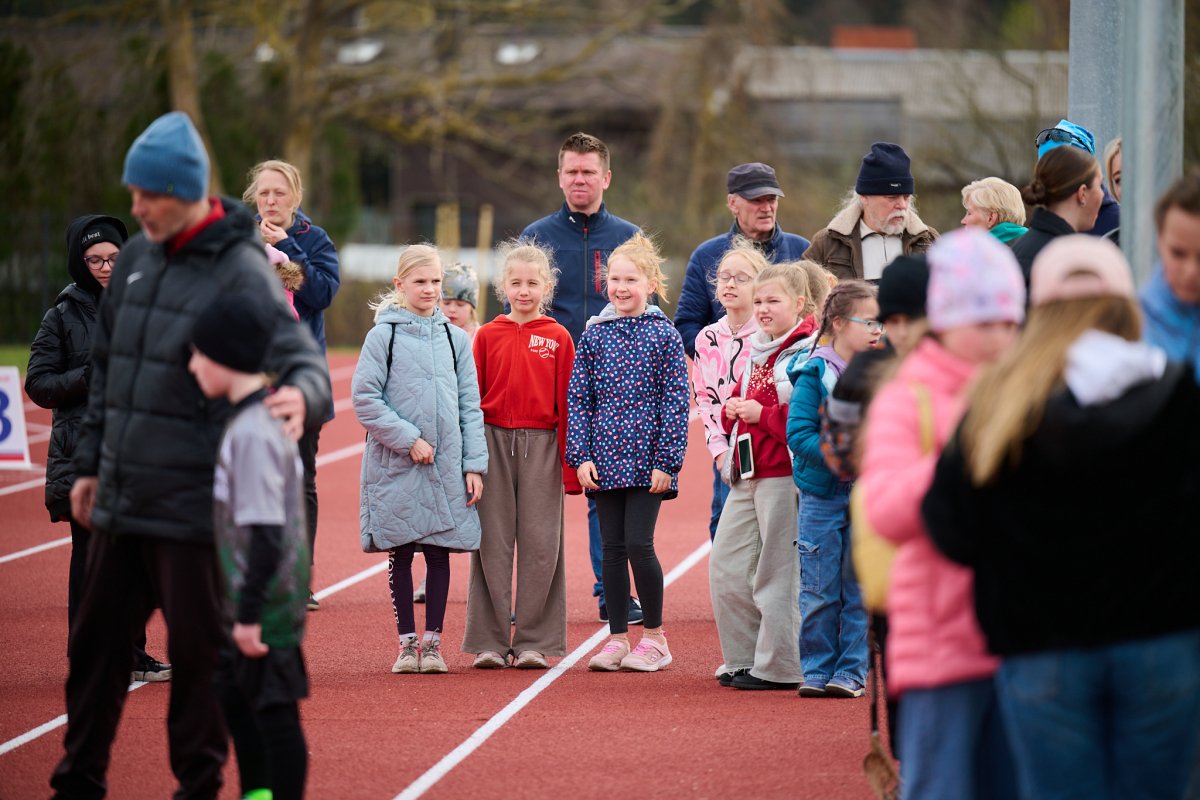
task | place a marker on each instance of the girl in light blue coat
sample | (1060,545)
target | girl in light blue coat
(416,393)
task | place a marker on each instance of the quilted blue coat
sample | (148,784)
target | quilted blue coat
(401,501)
(627,405)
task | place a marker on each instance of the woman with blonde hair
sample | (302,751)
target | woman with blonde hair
(274,189)
(1071,490)
(996,206)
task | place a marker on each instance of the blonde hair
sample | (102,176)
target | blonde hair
(1007,402)
(526,251)
(641,251)
(993,194)
(287,170)
(1110,152)
(413,257)
(740,246)
(818,287)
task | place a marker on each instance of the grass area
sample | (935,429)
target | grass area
(15,355)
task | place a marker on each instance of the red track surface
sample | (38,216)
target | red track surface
(371,733)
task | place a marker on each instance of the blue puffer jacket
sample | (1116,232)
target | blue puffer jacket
(1170,323)
(581,246)
(627,405)
(698,304)
(812,381)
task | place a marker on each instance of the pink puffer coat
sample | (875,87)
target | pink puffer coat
(933,636)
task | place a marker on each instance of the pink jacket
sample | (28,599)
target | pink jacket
(933,635)
(718,366)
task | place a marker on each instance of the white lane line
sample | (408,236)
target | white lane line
(59,721)
(344,404)
(481,735)
(341,373)
(30,551)
(20,487)
(338,455)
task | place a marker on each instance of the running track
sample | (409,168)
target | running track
(376,735)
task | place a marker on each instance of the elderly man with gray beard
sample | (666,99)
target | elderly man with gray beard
(877,222)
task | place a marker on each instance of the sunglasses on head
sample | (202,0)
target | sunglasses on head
(1060,136)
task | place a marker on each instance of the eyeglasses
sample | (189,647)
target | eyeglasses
(873,325)
(96,263)
(741,278)
(1060,136)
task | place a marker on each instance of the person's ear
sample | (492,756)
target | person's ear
(729,202)
(993,219)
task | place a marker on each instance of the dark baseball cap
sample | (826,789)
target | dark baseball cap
(752,181)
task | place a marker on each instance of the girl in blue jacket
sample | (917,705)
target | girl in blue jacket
(627,410)
(833,627)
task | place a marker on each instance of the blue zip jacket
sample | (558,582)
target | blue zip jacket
(1170,323)
(698,305)
(627,405)
(581,246)
(812,381)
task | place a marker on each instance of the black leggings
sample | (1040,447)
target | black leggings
(437,586)
(627,518)
(270,746)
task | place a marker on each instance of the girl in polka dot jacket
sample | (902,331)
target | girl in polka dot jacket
(627,411)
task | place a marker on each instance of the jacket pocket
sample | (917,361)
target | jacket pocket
(810,566)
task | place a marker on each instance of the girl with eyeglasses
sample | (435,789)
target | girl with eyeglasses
(833,630)
(58,379)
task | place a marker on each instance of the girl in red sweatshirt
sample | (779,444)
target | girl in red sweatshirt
(524,359)
(753,575)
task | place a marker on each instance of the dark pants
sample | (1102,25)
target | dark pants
(627,518)
(308,459)
(437,586)
(127,576)
(80,538)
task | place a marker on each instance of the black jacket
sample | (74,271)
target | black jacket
(1043,226)
(149,433)
(1094,538)
(58,364)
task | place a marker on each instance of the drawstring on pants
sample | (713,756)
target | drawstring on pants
(512,447)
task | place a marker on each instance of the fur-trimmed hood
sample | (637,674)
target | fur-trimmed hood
(846,220)
(292,275)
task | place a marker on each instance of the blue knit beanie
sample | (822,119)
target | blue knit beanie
(885,170)
(169,158)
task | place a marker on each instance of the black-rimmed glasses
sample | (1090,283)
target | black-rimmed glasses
(96,263)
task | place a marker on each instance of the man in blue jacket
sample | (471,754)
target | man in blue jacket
(582,234)
(754,200)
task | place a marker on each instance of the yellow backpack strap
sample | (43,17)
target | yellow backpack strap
(924,415)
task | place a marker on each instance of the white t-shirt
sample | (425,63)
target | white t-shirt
(878,250)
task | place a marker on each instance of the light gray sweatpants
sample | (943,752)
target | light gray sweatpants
(754,580)
(521,508)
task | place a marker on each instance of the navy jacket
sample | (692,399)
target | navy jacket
(1109,216)
(698,304)
(581,246)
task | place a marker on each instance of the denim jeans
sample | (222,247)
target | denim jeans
(720,493)
(953,745)
(595,550)
(1106,723)
(833,624)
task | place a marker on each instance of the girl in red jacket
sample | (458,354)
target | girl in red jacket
(753,574)
(524,359)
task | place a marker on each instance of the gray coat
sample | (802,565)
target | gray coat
(402,502)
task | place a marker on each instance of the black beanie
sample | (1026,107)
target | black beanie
(235,331)
(100,231)
(903,286)
(885,170)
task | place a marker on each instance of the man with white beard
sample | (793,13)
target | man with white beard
(877,221)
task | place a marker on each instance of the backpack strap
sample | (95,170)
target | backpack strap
(388,368)
(453,353)
(924,415)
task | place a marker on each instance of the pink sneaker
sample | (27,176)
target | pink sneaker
(648,656)
(610,658)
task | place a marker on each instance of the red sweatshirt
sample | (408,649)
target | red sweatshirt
(524,371)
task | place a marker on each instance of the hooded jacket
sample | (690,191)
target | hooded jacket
(581,245)
(717,366)
(812,381)
(58,364)
(149,434)
(933,636)
(1090,539)
(628,400)
(838,248)
(524,372)
(422,397)
(1170,323)
(698,305)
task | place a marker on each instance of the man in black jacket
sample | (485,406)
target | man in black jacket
(146,454)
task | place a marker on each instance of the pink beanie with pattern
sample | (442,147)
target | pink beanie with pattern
(973,278)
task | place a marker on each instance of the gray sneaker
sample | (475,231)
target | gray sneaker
(431,657)
(409,660)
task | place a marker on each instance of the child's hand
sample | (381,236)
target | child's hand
(731,408)
(272,232)
(659,482)
(288,403)
(249,640)
(750,411)
(588,475)
(421,452)
(475,487)
(719,461)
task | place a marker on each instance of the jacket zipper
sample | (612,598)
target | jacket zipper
(585,273)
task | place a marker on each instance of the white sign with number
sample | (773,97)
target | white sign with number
(14,446)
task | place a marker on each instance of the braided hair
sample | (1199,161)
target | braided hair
(840,303)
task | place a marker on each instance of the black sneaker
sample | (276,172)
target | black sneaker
(726,678)
(748,681)
(603,613)
(312,604)
(635,611)
(150,671)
